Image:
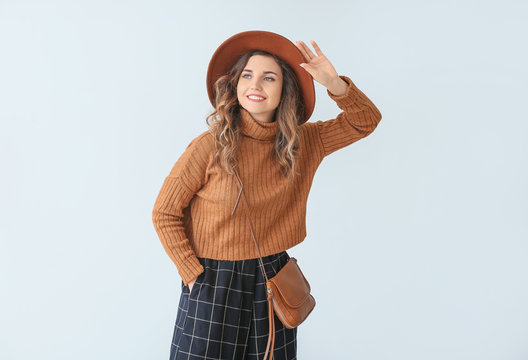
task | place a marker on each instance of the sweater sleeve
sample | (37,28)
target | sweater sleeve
(184,180)
(358,119)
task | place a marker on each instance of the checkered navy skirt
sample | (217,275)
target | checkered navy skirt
(225,316)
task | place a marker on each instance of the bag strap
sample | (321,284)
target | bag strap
(271,337)
(249,222)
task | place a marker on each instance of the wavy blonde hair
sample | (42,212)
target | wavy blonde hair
(224,121)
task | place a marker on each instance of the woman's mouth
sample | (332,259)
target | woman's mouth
(256,98)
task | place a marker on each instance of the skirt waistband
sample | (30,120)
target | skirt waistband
(272,263)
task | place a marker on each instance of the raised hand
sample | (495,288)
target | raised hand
(318,65)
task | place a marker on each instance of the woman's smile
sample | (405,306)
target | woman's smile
(256,98)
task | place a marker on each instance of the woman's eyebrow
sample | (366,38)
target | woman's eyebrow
(265,72)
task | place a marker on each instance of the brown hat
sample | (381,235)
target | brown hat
(231,49)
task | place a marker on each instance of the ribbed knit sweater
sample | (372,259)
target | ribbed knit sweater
(192,213)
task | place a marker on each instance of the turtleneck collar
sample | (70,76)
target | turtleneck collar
(257,129)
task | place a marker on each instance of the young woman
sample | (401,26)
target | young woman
(261,87)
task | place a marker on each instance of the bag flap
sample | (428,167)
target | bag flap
(291,285)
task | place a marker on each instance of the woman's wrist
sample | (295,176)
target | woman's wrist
(338,87)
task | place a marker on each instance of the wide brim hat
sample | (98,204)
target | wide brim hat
(231,49)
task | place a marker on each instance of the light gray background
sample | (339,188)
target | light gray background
(417,235)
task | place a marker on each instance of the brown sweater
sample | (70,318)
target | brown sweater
(192,213)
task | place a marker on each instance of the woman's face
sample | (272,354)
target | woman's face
(262,77)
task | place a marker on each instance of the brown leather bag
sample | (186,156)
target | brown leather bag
(288,291)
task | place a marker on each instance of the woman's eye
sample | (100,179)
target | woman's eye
(267,77)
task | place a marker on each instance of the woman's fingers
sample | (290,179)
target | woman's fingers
(191,284)
(307,53)
(317,49)
(311,55)
(301,49)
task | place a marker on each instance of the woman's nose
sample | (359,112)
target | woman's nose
(255,84)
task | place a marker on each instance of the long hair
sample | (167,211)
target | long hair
(224,121)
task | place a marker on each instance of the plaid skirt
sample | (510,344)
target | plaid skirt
(225,316)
